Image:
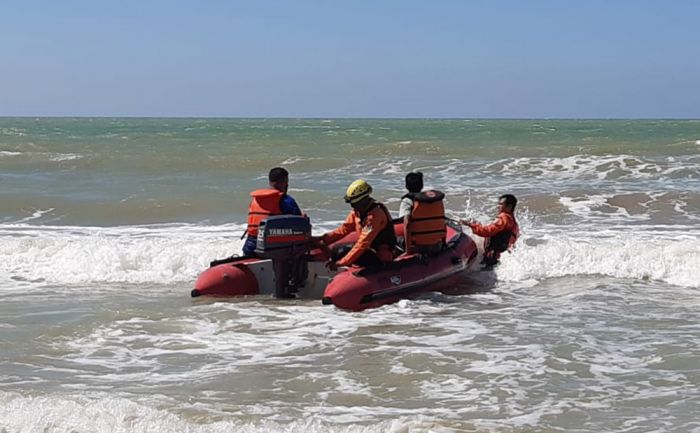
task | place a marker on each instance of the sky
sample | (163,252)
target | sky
(361,58)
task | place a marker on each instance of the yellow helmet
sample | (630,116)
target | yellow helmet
(357,191)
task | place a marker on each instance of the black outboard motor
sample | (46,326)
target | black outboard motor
(286,240)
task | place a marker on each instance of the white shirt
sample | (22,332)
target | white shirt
(405,207)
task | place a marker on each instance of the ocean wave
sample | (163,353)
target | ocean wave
(566,172)
(177,253)
(44,156)
(617,173)
(9,153)
(17,132)
(159,255)
(503,360)
(291,160)
(672,257)
(35,215)
(71,412)
(605,167)
(81,255)
(59,157)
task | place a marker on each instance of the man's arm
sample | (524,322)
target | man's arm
(375,223)
(486,231)
(405,207)
(348,226)
(289,206)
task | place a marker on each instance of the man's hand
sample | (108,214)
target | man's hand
(332,265)
(469,222)
(317,242)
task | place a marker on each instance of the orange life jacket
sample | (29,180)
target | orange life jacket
(385,242)
(502,240)
(265,203)
(426,223)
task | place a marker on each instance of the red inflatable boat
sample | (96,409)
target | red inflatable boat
(288,267)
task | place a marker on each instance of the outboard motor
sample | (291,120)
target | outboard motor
(286,240)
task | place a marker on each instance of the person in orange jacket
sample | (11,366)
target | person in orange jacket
(268,202)
(501,234)
(371,220)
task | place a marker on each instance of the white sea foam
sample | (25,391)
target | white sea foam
(159,255)
(503,361)
(57,413)
(455,176)
(9,153)
(168,254)
(54,157)
(292,160)
(604,167)
(460,358)
(18,132)
(59,157)
(597,207)
(137,254)
(35,215)
(573,170)
(301,190)
(631,254)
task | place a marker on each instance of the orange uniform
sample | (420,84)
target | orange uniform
(504,222)
(501,235)
(375,232)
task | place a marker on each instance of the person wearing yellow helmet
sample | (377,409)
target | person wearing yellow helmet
(376,240)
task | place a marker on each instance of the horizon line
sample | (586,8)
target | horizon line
(330,118)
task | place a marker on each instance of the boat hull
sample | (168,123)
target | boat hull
(359,289)
(228,279)
(350,288)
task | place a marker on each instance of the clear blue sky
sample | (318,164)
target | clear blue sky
(363,58)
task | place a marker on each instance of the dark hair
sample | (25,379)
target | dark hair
(278,174)
(414,181)
(510,200)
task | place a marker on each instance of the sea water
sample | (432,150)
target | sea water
(592,324)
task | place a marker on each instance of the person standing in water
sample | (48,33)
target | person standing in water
(501,234)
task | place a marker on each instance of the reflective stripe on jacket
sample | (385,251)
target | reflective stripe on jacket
(375,229)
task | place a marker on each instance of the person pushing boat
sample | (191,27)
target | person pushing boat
(501,234)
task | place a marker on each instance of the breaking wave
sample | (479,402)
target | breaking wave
(177,253)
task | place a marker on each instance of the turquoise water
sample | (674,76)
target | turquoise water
(113,171)
(590,325)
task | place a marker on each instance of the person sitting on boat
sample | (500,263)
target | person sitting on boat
(501,234)
(414,185)
(423,215)
(268,202)
(425,228)
(376,240)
